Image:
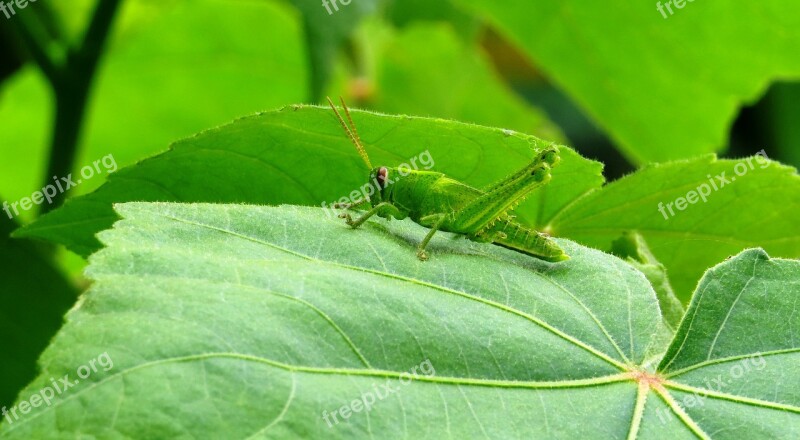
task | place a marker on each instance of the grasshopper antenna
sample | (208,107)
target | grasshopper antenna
(353,135)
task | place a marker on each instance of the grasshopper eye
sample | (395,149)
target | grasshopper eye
(383,174)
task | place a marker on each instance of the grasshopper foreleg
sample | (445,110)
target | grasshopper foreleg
(392,210)
(434,221)
(350,205)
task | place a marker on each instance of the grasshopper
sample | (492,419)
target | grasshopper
(440,203)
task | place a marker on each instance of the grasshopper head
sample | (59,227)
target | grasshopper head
(378,181)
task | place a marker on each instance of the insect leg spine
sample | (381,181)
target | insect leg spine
(503,217)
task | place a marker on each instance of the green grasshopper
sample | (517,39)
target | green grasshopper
(440,203)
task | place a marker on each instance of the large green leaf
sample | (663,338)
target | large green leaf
(231,321)
(299,155)
(736,346)
(783,103)
(327,27)
(147,90)
(663,88)
(426,70)
(758,204)
(405,12)
(33,299)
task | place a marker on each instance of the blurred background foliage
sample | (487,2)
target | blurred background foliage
(619,83)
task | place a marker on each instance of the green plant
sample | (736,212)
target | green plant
(221,301)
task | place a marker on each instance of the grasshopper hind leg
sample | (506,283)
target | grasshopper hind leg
(512,235)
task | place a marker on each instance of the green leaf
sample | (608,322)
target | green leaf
(265,159)
(682,92)
(755,206)
(147,90)
(24,136)
(738,346)
(326,30)
(231,321)
(426,70)
(406,12)
(632,248)
(783,104)
(33,298)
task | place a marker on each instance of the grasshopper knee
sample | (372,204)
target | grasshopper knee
(541,174)
(550,156)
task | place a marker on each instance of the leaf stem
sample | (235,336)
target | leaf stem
(71,82)
(36,45)
(72,87)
